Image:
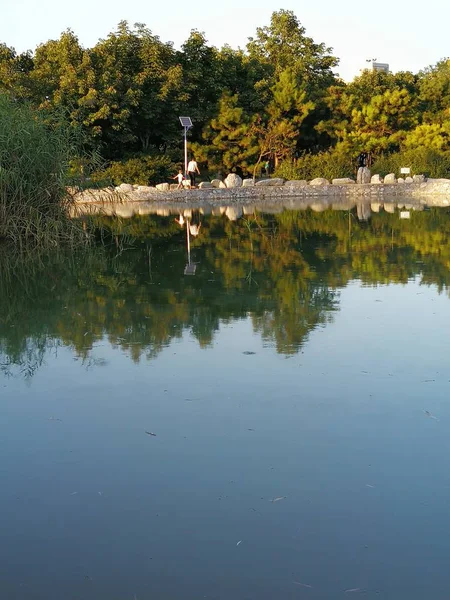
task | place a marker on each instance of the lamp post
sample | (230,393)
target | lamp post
(186,123)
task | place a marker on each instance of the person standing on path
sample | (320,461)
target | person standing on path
(179,177)
(192,171)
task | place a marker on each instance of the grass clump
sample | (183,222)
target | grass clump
(330,164)
(34,159)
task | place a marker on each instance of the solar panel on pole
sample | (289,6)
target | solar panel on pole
(186,122)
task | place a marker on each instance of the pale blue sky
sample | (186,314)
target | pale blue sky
(407,35)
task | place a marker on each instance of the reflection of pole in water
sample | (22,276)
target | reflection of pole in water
(188,225)
(189,269)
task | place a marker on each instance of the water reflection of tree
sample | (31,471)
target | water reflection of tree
(284,271)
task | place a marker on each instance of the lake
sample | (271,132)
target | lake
(259,411)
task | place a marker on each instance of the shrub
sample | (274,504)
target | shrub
(140,170)
(431,163)
(330,164)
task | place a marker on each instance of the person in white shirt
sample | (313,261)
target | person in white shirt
(180,178)
(192,171)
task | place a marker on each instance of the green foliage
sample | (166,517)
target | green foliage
(142,170)
(34,159)
(278,98)
(227,138)
(426,161)
(330,164)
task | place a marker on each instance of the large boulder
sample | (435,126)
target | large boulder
(363,175)
(363,211)
(124,188)
(276,181)
(205,185)
(409,180)
(143,189)
(233,212)
(296,183)
(248,183)
(163,187)
(233,181)
(218,183)
(376,179)
(390,178)
(319,206)
(342,181)
(400,180)
(418,178)
(319,181)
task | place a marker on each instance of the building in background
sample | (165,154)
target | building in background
(376,66)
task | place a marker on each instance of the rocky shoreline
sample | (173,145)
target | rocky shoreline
(265,193)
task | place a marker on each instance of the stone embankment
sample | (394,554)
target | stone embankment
(431,192)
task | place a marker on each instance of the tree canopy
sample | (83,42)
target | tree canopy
(280,97)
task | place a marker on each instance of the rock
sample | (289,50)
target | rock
(163,187)
(418,178)
(143,189)
(376,179)
(363,175)
(389,207)
(390,178)
(400,180)
(124,188)
(409,180)
(319,181)
(276,181)
(342,181)
(318,206)
(233,181)
(205,185)
(218,183)
(296,183)
(363,211)
(124,210)
(233,212)
(375,207)
(248,183)
(173,186)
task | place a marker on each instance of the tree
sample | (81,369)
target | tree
(227,136)
(277,134)
(434,91)
(284,45)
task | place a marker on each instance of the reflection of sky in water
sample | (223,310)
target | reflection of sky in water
(94,508)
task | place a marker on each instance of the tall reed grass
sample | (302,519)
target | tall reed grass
(34,160)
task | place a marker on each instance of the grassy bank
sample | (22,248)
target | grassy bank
(34,159)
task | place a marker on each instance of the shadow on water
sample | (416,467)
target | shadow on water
(283,270)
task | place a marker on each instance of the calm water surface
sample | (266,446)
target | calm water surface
(276,425)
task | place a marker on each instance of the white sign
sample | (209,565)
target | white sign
(404,214)
(405,170)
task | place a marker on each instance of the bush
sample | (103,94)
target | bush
(34,159)
(329,164)
(430,163)
(140,170)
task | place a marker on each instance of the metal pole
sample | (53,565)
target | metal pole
(185,153)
